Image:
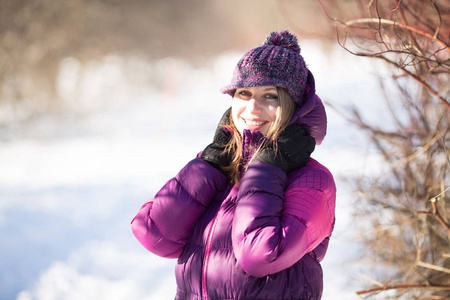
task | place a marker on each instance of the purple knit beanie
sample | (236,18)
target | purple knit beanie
(277,62)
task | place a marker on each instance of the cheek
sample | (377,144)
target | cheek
(272,112)
(236,108)
(234,116)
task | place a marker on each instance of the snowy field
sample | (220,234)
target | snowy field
(70,184)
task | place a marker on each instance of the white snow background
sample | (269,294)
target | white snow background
(70,184)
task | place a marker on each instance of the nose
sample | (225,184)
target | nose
(253,105)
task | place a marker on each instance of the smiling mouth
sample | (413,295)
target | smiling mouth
(254,123)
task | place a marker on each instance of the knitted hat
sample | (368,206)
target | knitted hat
(277,62)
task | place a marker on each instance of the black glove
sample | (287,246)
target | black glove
(290,151)
(214,153)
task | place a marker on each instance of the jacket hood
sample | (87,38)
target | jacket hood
(311,115)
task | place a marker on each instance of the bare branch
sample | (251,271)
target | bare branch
(436,214)
(404,286)
(412,38)
(433,267)
(421,150)
(392,23)
(415,77)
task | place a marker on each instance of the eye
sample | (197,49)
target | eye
(271,96)
(244,93)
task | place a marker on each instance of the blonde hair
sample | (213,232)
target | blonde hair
(285,110)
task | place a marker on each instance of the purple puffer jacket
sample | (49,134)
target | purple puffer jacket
(263,239)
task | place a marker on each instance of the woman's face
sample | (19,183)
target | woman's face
(255,108)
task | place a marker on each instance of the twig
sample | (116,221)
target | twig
(438,28)
(433,297)
(381,21)
(422,150)
(438,195)
(433,267)
(392,23)
(404,286)
(326,13)
(443,140)
(392,10)
(437,217)
(373,281)
(435,212)
(377,55)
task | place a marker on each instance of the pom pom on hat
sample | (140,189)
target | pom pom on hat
(283,39)
(277,62)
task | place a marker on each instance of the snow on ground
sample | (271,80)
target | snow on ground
(71,184)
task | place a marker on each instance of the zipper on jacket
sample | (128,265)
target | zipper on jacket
(206,258)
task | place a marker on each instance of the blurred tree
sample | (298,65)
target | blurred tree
(406,209)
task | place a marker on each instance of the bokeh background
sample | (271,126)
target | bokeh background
(103,101)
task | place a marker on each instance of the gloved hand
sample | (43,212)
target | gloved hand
(290,151)
(214,153)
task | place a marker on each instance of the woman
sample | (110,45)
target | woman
(251,216)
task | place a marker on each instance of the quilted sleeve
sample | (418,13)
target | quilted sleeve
(279,220)
(164,224)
